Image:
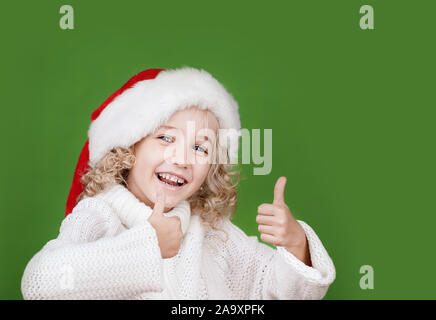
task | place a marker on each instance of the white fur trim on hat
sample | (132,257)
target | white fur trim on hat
(142,109)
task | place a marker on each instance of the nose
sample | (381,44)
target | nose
(180,155)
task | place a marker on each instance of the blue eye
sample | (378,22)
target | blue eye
(170,139)
(202,149)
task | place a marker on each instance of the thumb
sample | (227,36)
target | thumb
(279,191)
(159,204)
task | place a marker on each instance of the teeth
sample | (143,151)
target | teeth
(170,177)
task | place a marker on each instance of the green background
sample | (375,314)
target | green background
(352,113)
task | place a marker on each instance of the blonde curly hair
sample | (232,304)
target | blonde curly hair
(213,201)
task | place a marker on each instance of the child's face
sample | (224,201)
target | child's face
(184,151)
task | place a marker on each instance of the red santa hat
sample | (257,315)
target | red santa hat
(144,103)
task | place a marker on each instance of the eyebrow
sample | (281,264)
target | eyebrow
(166,127)
(206,138)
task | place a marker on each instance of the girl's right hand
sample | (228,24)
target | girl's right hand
(168,229)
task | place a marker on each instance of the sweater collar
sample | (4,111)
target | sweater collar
(131,210)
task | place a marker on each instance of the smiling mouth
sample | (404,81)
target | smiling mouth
(171,180)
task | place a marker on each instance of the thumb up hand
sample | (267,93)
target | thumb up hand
(168,229)
(277,225)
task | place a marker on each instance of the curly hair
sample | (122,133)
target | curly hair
(213,201)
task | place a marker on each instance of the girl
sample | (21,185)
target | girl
(151,202)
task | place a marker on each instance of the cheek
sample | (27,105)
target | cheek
(149,158)
(143,169)
(200,173)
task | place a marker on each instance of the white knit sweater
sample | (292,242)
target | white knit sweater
(106,249)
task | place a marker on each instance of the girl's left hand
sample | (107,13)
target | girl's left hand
(277,225)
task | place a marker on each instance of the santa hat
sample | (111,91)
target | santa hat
(144,103)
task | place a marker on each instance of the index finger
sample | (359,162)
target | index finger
(159,205)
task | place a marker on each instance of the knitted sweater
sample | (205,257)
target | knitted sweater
(106,249)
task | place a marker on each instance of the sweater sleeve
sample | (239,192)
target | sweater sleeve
(91,259)
(258,271)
